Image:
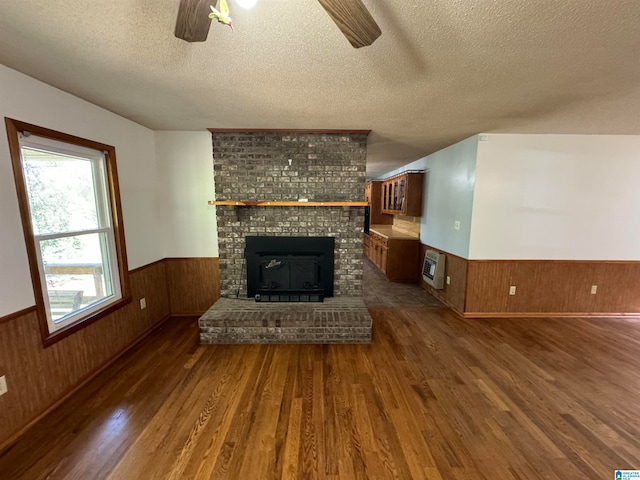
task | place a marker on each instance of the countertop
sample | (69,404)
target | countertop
(388,231)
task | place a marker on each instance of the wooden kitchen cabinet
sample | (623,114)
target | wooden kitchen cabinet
(396,257)
(373,195)
(384,255)
(379,251)
(402,194)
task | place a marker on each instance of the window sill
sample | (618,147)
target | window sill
(49,339)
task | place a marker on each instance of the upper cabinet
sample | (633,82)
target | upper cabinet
(373,195)
(402,194)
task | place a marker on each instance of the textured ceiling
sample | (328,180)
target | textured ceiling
(441,71)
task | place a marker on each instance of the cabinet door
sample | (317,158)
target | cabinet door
(402,260)
(378,261)
(387,196)
(384,254)
(396,191)
(384,196)
(413,195)
(374,254)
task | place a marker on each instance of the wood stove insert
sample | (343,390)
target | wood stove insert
(289,269)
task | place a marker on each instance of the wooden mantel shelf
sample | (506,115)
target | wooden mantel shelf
(271,203)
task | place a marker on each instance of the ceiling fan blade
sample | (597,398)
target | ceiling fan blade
(193,20)
(354,21)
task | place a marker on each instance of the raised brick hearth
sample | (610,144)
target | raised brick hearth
(336,320)
(256,167)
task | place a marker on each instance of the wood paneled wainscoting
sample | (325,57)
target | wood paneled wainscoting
(193,284)
(549,288)
(453,295)
(39,379)
(552,288)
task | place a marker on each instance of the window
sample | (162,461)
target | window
(69,202)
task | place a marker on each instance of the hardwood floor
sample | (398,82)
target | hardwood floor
(434,396)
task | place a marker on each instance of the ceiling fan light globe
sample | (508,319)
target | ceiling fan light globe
(247,3)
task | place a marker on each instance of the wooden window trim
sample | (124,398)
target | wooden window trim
(13,129)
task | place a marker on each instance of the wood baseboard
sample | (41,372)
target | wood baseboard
(488,315)
(548,315)
(13,438)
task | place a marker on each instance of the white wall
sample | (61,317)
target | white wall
(185,161)
(26,99)
(571,197)
(447,196)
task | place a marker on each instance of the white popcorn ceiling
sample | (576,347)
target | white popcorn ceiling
(442,70)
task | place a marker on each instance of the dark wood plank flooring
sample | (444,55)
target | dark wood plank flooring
(434,396)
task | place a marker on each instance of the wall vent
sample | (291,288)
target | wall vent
(433,269)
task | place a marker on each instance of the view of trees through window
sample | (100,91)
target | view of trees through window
(50,199)
(64,201)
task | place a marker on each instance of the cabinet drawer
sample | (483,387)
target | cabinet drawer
(378,239)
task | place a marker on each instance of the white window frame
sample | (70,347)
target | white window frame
(105,227)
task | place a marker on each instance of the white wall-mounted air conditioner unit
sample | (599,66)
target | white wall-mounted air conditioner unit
(433,269)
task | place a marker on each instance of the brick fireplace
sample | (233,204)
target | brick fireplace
(276,166)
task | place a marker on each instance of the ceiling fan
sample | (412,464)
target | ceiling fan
(351,16)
